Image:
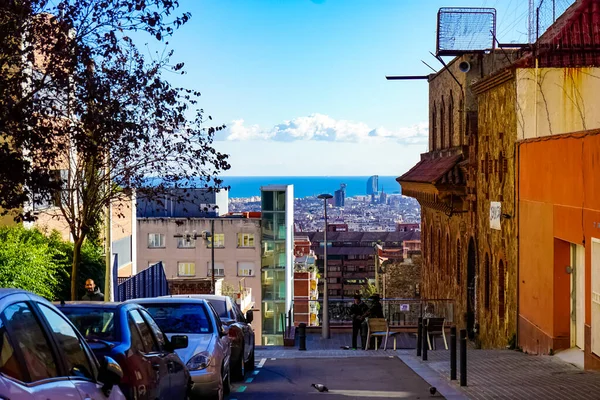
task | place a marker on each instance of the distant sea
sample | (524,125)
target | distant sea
(305,186)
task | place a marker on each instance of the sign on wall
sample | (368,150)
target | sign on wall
(495,211)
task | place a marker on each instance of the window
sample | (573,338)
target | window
(450,119)
(448,256)
(9,364)
(136,339)
(501,280)
(156,240)
(219,268)
(442,125)
(149,343)
(432,145)
(487,282)
(245,268)
(245,240)
(439,250)
(69,344)
(158,334)
(458,262)
(219,240)
(501,170)
(186,269)
(181,318)
(93,323)
(186,243)
(29,339)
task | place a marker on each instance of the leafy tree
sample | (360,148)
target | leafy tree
(27,261)
(76,95)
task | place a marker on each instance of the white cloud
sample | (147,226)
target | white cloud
(324,128)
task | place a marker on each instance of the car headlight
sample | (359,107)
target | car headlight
(199,361)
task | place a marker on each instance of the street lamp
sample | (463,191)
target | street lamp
(325,334)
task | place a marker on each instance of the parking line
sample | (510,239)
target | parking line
(256,371)
(261,363)
(249,380)
(241,389)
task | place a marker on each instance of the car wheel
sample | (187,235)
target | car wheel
(227,383)
(249,365)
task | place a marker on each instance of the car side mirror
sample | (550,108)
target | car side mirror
(249,316)
(179,342)
(224,331)
(110,375)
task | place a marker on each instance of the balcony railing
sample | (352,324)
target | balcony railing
(399,312)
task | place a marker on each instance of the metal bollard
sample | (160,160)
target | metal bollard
(463,357)
(424,340)
(419,336)
(302,336)
(453,353)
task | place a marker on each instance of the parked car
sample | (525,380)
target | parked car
(43,356)
(128,334)
(240,332)
(209,350)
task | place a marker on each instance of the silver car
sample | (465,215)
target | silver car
(209,348)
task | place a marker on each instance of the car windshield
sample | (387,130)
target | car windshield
(93,322)
(220,307)
(181,318)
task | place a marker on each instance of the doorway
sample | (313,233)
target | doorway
(577,296)
(471,289)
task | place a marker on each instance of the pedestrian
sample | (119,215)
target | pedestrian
(93,292)
(357,312)
(374,311)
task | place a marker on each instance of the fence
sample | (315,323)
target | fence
(399,312)
(150,282)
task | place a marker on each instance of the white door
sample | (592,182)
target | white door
(596,296)
(577,296)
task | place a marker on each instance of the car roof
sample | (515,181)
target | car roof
(95,304)
(9,291)
(198,296)
(163,300)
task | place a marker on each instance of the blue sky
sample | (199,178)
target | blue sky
(301,84)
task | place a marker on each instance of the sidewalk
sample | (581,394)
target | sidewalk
(506,374)
(491,374)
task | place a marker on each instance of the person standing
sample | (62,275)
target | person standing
(93,292)
(357,311)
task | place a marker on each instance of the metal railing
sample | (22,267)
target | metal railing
(399,312)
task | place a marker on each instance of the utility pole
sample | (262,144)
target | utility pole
(212,255)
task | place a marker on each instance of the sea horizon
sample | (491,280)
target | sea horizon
(307,186)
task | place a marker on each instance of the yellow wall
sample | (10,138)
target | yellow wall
(552,101)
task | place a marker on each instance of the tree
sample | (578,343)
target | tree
(78,97)
(27,261)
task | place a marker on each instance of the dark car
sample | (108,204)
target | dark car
(129,334)
(43,356)
(240,332)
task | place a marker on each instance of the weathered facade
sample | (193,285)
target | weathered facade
(496,208)
(559,191)
(454,215)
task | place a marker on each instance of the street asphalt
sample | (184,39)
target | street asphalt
(384,377)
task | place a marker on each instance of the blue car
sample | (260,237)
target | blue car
(128,334)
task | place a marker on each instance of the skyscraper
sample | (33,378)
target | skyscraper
(373,184)
(339,196)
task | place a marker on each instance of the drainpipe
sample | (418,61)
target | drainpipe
(516,219)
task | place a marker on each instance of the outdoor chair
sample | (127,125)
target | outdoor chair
(378,327)
(435,327)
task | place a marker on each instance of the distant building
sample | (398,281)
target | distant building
(277,239)
(373,184)
(337,227)
(187,257)
(407,227)
(185,203)
(382,197)
(339,196)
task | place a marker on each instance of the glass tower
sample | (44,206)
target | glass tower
(277,203)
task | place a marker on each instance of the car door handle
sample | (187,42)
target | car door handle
(156,367)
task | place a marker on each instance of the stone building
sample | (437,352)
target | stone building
(446,183)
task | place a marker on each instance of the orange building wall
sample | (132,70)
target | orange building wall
(559,202)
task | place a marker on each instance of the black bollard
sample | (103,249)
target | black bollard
(453,353)
(302,336)
(424,340)
(463,357)
(419,336)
